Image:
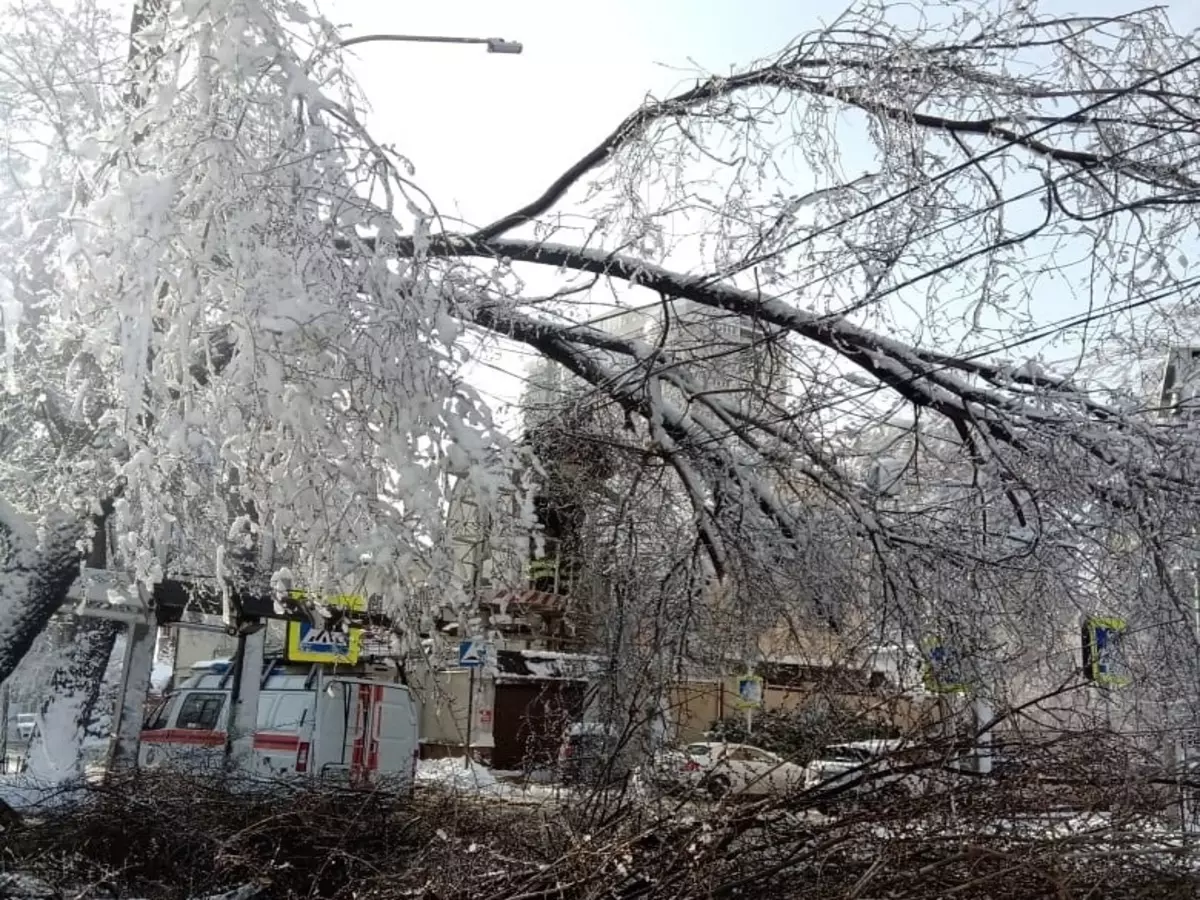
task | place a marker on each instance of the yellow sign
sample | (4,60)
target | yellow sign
(1103,651)
(944,672)
(329,642)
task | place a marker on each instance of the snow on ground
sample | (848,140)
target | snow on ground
(25,792)
(453,774)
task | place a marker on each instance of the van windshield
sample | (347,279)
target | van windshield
(159,716)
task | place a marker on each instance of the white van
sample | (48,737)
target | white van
(26,725)
(310,725)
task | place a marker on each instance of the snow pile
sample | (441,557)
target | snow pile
(18,884)
(24,792)
(451,774)
(160,676)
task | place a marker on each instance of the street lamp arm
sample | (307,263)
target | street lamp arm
(411,38)
(494,45)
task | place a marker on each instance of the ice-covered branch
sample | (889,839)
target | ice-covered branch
(879,71)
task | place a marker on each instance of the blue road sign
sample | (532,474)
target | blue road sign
(329,642)
(472,654)
(750,692)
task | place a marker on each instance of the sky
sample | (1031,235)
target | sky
(488,132)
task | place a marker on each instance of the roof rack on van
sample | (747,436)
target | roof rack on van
(268,669)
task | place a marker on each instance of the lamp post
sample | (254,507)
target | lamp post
(494,45)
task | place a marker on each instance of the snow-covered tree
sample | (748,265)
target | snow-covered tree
(180,308)
(1003,174)
(266,319)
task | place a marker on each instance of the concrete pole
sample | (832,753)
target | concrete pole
(4,725)
(982,708)
(131,702)
(247,680)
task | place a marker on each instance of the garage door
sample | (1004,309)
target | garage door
(530,719)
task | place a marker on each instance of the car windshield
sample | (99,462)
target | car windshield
(698,750)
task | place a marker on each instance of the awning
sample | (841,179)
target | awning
(529,601)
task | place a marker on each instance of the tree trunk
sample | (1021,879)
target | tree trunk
(36,572)
(56,753)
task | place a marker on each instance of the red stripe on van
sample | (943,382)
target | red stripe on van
(198,738)
(267,741)
(193,737)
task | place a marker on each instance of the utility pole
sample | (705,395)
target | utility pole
(137,664)
(4,725)
(244,691)
(1177,401)
(479,553)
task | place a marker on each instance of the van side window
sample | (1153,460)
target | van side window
(291,713)
(200,711)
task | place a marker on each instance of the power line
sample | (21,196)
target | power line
(924,275)
(972,162)
(975,159)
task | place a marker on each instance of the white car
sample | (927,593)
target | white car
(857,768)
(721,769)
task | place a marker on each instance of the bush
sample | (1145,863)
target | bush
(176,837)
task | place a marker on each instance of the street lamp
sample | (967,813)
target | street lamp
(494,45)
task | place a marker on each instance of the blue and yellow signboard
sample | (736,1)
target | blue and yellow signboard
(944,670)
(330,642)
(1103,653)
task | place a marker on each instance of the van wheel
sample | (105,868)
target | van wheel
(717,787)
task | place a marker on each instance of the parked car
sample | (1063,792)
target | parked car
(720,769)
(591,753)
(26,725)
(664,774)
(859,767)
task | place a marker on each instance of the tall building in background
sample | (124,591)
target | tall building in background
(722,355)
(1179,395)
(725,355)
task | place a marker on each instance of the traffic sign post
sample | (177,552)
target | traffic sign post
(472,655)
(1103,651)
(749,697)
(943,668)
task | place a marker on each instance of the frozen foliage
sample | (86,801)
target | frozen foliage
(38,568)
(213,359)
(1018,204)
(68,711)
(242,324)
